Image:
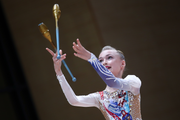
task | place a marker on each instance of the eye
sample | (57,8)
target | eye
(100,60)
(109,57)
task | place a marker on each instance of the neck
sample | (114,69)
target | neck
(119,75)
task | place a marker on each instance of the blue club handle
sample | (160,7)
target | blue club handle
(57,42)
(59,56)
(73,78)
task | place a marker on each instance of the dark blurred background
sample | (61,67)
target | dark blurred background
(147,31)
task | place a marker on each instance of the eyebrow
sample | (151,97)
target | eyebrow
(105,56)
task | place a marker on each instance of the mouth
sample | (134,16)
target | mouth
(108,67)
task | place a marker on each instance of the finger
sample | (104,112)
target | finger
(50,51)
(75,45)
(54,57)
(77,55)
(75,49)
(63,57)
(59,60)
(60,51)
(79,43)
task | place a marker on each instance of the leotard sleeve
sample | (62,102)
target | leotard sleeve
(82,100)
(130,83)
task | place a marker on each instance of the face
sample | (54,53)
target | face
(112,61)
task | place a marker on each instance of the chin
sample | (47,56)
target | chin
(110,70)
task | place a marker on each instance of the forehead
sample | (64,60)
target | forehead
(108,52)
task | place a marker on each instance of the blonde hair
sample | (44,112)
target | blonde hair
(112,48)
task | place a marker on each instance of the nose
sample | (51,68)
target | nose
(104,62)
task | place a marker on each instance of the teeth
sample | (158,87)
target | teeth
(108,67)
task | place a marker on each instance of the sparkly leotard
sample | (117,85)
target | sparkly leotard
(119,105)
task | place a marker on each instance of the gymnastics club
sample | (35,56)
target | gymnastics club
(57,14)
(45,31)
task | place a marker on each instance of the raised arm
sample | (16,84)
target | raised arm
(130,83)
(83,100)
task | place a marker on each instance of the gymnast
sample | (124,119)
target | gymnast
(120,100)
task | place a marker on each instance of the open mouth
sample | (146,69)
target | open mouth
(108,67)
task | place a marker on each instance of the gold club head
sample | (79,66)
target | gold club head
(45,31)
(56,11)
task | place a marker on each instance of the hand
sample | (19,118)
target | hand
(57,62)
(81,52)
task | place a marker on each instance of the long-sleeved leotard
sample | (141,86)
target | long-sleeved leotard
(130,83)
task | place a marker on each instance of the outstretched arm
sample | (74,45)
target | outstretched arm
(131,83)
(83,101)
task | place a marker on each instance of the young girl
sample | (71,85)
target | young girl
(121,98)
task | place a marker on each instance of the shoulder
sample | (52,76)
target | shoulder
(133,80)
(97,98)
(95,94)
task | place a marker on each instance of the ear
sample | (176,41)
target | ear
(123,64)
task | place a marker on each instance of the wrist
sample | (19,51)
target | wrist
(92,57)
(59,73)
(88,56)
